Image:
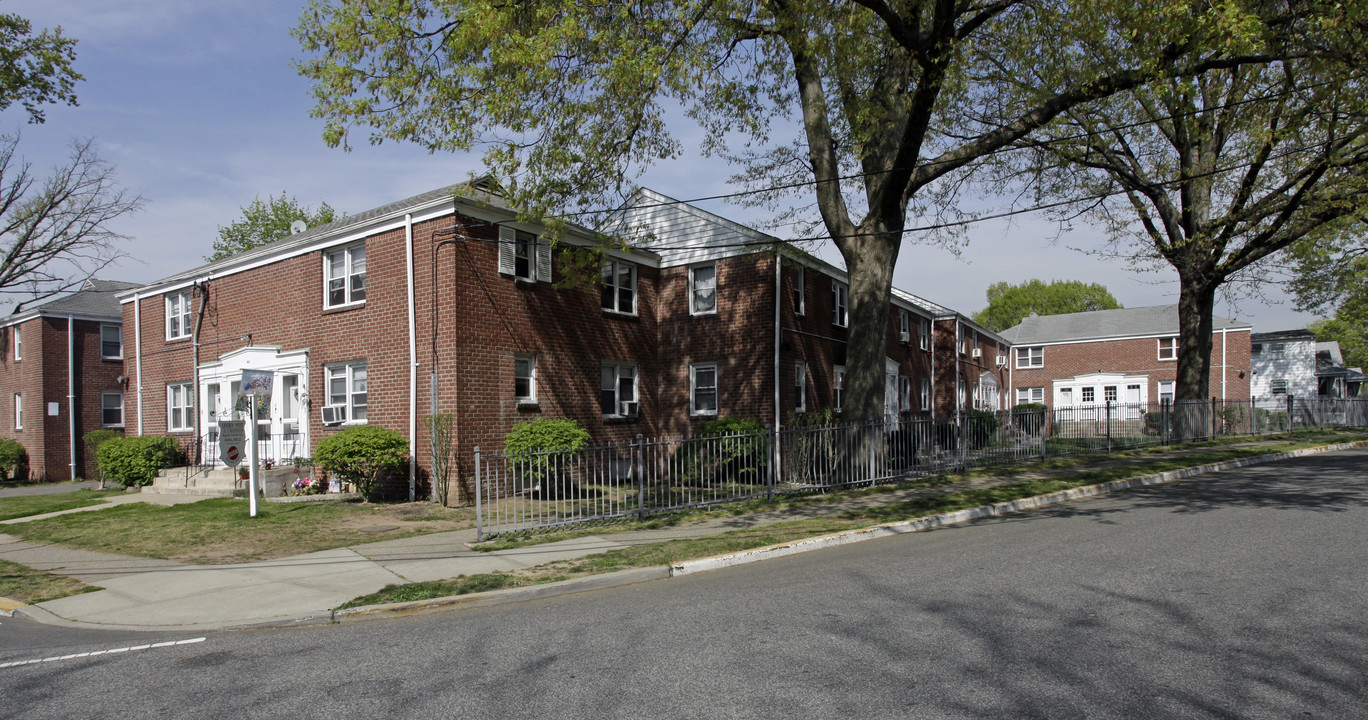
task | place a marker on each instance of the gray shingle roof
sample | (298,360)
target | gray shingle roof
(1103,324)
(96,298)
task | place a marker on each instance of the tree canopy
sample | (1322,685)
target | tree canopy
(874,109)
(266,222)
(35,69)
(1009,304)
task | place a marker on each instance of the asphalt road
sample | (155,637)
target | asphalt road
(1239,595)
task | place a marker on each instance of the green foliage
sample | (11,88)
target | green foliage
(537,448)
(134,461)
(266,222)
(982,426)
(35,70)
(94,439)
(441,434)
(1010,304)
(13,460)
(1349,328)
(360,454)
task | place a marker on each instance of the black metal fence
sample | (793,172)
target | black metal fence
(531,491)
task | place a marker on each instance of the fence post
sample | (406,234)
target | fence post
(1290,417)
(479,507)
(639,470)
(772,437)
(1164,420)
(1109,415)
(1046,418)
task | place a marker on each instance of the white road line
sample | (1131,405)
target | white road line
(93,653)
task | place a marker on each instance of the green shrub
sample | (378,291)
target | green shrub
(538,447)
(1029,418)
(361,454)
(93,440)
(13,460)
(982,426)
(134,461)
(728,449)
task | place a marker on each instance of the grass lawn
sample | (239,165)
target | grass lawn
(219,530)
(665,553)
(27,505)
(34,586)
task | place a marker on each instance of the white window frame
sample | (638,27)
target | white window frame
(610,275)
(178,315)
(515,245)
(105,407)
(695,386)
(180,401)
(1110,393)
(800,386)
(1168,348)
(1166,387)
(352,279)
(18,411)
(800,291)
(838,387)
(617,369)
(1030,357)
(926,394)
(904,326)
(118,330)
(925,334)
(18,344)
(1087,395)
(904,393)
(348,373)
(529,361)
(695,288)
(1027,395)
(840,304)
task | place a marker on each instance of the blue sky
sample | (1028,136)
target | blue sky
(200,109)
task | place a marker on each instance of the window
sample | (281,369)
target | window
(970,341)
(18,344)
(904,326)
(1166,391)
(925,334)
(346,385)
(618,396)
(840,301)
(523,256)
(1066,396)
(619,287)
(1109,393)
(1030,395)
(925,394)
(525,379)
(178,315)
(703,389)
(959,392)
(180,407)
(1278,386)
(1168,348)
(800,291)
(702,289)
(1277,349)
(111,342)
(345,276)
(1256,349)
(1030,357)
(18,411)
(111,409)
(1089,395)
(904,393)
(800,386)
(839,390)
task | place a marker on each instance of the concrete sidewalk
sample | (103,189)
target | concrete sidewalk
(146,594)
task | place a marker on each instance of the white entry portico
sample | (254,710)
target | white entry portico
(282,424)
(1130,393)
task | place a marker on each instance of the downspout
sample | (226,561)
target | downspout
(778,301)
(71,389)
(137,354)
(413,359)
(931,343)
(203,287)
(1223,363)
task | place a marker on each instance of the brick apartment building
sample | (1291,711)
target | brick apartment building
(444,303)
(1127,356)
(61,367)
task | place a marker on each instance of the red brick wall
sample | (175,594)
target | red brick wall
(1138,356)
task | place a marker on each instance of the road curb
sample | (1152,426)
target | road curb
(961,516)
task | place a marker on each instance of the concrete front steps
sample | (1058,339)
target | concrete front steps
(221,482)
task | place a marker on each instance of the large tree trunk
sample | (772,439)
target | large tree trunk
(869,260)
(1196,299)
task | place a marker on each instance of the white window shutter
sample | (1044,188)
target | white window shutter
(543,260)
(508,238)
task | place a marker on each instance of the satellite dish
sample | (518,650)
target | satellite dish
(298,227)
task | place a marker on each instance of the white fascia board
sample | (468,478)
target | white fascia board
(1110,338)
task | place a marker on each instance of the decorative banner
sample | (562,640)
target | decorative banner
(232,439)
(255,383)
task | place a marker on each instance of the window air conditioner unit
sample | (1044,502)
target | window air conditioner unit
(628,408)
(905,337)
(1002,361)
(334,414)
(976,353)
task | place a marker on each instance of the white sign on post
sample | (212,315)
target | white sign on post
(232,441)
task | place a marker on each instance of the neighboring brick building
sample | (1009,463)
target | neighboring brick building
(448,304)
(61,368)
(1126,356)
